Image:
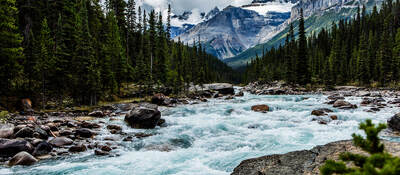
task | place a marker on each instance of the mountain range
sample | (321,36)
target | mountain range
(238,34)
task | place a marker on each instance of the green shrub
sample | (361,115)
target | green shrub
(3,116)
(378,162)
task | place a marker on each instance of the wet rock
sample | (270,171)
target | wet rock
(128,139)
(77,148)
(52,126)
(161,122)
(334,117)
(36,142)
(40,133)
(222,88)
(84,132)
(394,122)
(366,101)
(395,101)
(260,108)
(341,104)
(142,135)
(60,141)
(90,125)
(66,132)
(322,120)
(100,152)
(335,97)
(229,97)
(203,100)
(158,99)
(375,109)
(22,158)
(24,132)
(114,127)
(6,130)
(143,117)
(97,114)
(321,111)
(240,94)
(42,148)
(162,148)
(9,148)
(302,162)
(105,148)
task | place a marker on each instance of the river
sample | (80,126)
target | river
(212,138)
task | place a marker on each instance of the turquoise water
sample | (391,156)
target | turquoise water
(213,138)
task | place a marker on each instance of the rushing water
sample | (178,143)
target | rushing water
(213,138)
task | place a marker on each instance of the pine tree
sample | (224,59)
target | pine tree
(378,161)
(363,64)
(44,56)
(396,58)
(303,75)
(87,72)
(10,47)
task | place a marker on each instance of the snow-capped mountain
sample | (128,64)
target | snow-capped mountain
(188,19)
(318,13)
(231,31)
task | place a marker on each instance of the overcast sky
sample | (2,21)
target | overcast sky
(179,6)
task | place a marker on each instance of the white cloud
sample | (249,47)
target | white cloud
(179,6)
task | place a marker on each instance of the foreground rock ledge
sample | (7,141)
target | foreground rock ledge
(303,162)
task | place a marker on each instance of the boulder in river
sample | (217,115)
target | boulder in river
(114,127)
(341,104)
(221,88)
(394,122)
(260,108)
(42,148)
(97,114)
(24,132)
(9,148)
(6,130)
(22,158)
(158,99)
(84,132)
(240,94)
(60,141)
(100,152)
(143,117)
(321,111)
(77,148)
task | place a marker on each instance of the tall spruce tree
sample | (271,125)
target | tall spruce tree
(10,47)
(303,75)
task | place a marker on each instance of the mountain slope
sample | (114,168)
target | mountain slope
(235,29)
(320,17)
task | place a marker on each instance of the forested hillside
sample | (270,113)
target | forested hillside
(57,49)
(363,51)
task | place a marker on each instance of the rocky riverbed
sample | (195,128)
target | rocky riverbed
(209,132)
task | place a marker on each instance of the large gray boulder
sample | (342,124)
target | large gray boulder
(9,148)
(145,116)
(42,148)
(303,162)
(60,141)
(6,130)
(222,88)
(394,122)
(341,104)
(22,158)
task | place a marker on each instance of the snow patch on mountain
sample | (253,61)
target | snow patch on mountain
(264,8)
